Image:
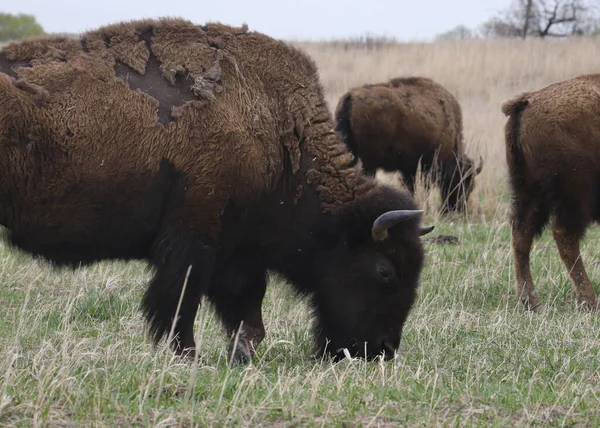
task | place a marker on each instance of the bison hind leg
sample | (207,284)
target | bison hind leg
(574,215)
(173,254)
(529,217)
(568,248)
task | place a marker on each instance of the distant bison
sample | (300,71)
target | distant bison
(552,140)
(394,124)
(210,148)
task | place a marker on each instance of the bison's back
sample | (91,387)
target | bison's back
(561,121)
(404,118)
(552,141)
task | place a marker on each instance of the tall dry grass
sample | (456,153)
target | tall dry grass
(480,73)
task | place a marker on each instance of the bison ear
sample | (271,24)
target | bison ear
(379,231)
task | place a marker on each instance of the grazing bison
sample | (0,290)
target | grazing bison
(395,124)
(208,148)
(552,138)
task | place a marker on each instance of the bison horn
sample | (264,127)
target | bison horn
(480,166)
(426,230)
(389,219)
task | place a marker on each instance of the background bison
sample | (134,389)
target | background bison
(552,138)
(395,124)
(210,148)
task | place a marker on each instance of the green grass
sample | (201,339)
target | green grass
(73,351)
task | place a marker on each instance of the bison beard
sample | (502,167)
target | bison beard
(205,148)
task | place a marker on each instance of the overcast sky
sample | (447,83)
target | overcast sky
(291,19)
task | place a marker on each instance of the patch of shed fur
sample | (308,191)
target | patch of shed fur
(207,84)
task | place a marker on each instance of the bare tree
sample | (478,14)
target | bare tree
(460,32)
(561,18)
(499,28)
(527,19)
(543,18)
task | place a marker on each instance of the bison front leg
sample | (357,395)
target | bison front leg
(238,297)
(176,252)
(568,247)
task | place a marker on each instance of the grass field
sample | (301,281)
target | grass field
(73,350)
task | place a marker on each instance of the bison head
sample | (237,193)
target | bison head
(459,184)
(368,276)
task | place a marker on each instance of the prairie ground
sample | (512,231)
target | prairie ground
(73,349)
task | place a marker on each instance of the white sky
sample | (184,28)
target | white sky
(285,19)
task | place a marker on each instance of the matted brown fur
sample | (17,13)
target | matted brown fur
(393,125)
(76,79)
(553,155)
(208,147)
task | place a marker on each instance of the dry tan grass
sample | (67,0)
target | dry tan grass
(481,74)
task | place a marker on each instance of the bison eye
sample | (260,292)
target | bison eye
(384,272)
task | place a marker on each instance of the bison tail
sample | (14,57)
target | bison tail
(515,157)
(514,110)
(515,105)
(343,125)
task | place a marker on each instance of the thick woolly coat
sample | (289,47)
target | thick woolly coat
(240,117)
(209,146)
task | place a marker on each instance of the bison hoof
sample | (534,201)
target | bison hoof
(242,354)
(186,353)
(532,303)
(592,305)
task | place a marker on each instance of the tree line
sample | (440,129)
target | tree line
(522,19)
(14,27)
(535,18)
